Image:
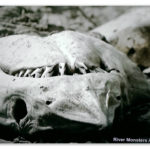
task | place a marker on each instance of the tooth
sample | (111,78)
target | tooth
(82,70)
(75,74)
(27,72)
(82,65)
(93,71)
(17,74)
(47,72)
(37,75)
(37,72)
(21,73)
(99,70)
(49,69)
(62,68)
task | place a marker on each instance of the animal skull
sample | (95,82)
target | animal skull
(64,82)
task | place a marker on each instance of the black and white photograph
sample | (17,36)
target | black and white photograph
(74,74)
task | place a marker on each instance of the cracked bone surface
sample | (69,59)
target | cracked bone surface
(130,33)
(105,79)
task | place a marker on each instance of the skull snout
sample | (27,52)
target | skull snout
(19,109)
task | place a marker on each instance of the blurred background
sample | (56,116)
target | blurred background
(44,20)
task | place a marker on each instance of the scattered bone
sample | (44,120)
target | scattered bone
(130,34)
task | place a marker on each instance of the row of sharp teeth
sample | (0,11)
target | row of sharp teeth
(45,72)
(48,71)
(36,73)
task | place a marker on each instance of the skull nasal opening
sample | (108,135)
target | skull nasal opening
(19,109)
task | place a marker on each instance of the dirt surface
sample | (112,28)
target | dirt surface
(44,20)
